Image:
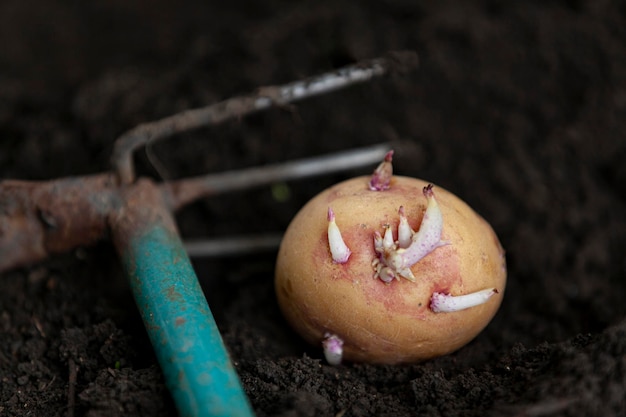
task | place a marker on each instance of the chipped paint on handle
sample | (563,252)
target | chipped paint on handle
(183,332)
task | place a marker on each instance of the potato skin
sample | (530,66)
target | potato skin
(378,322)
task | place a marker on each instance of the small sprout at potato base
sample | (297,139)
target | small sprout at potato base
(333,349)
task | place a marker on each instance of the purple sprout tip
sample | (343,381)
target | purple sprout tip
(381,178)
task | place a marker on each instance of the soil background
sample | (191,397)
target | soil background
(519,108)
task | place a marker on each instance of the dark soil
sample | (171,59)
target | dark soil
(518,107)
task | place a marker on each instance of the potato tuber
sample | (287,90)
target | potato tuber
(389,269)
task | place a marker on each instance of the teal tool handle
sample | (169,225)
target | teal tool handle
(188,345)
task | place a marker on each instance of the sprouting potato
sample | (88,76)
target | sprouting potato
(389,269)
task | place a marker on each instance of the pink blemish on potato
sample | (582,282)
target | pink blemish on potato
(394,298)
(439,273)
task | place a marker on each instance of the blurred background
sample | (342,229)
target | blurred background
(518,108)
